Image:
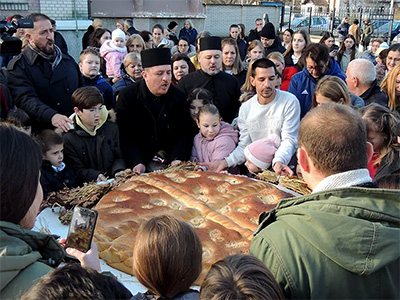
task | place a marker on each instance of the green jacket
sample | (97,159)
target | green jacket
(25,256)
(367,31)
(342,244)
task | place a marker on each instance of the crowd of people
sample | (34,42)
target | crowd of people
(145,100)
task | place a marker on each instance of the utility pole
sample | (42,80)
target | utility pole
(391,12)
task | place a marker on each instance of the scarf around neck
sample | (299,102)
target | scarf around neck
(54,59)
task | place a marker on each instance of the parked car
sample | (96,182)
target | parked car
(383,31)
(376,23)
(318,24)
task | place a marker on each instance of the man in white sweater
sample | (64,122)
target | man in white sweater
(269,111)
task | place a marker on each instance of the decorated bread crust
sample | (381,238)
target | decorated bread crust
(222,208)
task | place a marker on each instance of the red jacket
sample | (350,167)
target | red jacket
(287,76)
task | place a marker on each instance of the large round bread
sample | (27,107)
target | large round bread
(223,209)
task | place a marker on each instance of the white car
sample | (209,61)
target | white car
(318,24)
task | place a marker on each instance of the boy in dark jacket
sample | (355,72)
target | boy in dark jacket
(55,175)
(92,146)
(89,64)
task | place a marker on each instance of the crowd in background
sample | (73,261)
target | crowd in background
(145,100)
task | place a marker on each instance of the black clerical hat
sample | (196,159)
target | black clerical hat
(155,57)
(210,43)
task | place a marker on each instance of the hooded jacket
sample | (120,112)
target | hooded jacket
(367,31)
(303,85)
(275,47)
(205,150)
(114,57)
(191,52)
(25,256)
(91,154)
(342,244)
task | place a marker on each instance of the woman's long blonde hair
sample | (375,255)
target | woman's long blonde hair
(388,86)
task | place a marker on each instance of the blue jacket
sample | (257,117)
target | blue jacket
(104,87)
(303,85)
(190,33)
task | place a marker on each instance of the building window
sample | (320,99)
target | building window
(14,6)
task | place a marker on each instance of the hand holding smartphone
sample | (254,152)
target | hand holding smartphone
(81,229)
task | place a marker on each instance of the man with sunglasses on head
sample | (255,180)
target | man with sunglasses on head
(318,63)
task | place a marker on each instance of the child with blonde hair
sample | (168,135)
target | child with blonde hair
(331,89)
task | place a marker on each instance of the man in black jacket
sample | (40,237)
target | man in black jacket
(361,80)
(153,115)
(129,28)
(255,33)
(223,87)
(270,40)
(42,79)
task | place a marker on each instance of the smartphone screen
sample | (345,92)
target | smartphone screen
(81,229)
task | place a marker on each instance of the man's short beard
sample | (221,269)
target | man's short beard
(212,73)
(48,52)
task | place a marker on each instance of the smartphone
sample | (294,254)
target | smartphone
(81,229)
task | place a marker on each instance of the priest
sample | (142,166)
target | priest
(153,116)
(223,87)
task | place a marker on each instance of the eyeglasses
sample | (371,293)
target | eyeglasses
(319,69)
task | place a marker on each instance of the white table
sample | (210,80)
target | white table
(49,219)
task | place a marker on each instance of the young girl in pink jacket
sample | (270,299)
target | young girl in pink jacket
(114,52)
(216,139)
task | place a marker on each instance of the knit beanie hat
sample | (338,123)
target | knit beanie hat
(118,33)
(172,25)
(268,31)
(261,152)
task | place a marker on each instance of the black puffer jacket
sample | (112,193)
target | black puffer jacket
(90,156)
